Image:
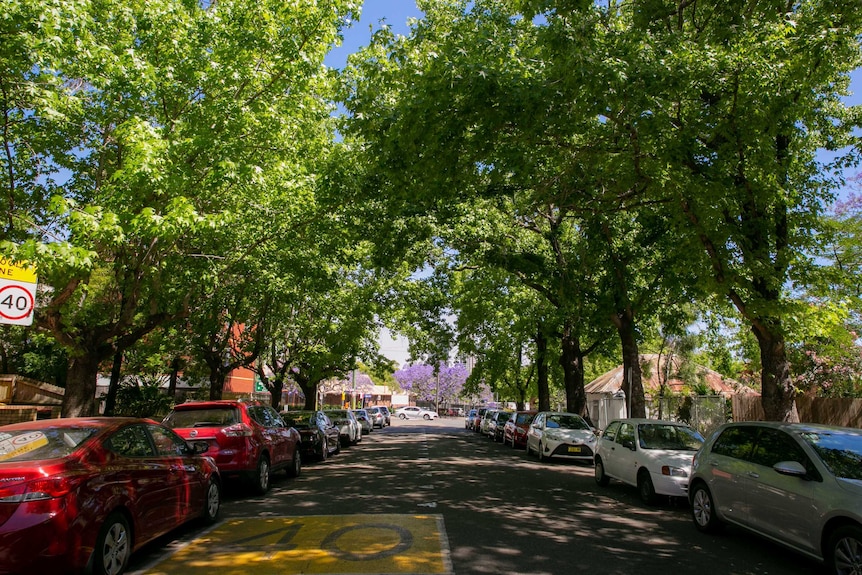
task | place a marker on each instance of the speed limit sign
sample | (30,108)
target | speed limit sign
(17,294)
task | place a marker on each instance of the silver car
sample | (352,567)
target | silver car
(799,485)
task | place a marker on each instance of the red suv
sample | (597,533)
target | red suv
(247,439)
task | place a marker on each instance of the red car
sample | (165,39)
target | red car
(247,439)
(84,493)
(515,429)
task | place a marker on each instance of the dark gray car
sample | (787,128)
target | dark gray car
(799,485)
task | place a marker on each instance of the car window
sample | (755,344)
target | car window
(131,441)
(523,418)
(42,444)
(735,442)
(841,452)
(627,433)
(272,418)
(204,417)
(167,443)
(540,419)
(774,446)
(665,436)
(611,431)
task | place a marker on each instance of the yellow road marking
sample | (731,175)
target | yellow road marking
(326,545)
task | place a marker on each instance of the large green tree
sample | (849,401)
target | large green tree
(139,137)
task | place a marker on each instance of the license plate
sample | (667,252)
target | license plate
(574,449)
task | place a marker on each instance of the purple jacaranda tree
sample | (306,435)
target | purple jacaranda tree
(424,384)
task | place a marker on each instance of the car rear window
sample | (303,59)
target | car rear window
(204,417)
(42,444)
(298,418)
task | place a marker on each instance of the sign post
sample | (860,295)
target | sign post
(17,293)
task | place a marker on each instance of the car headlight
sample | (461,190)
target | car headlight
(673,471)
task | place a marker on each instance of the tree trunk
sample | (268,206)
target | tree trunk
(172,381)
(114,385)
(632,379)
(572,361)
(217,379)
(776,390)
(544,389)
(79,399)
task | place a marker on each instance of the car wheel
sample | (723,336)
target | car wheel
(844,554)
(402,416)
(601,478)
(541,453)
(324,450)
(113,546)
(703,510)
(426,417)
(645,487)
(337,449)
(260,480)
(295,467)
(212,505)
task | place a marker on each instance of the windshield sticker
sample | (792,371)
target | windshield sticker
(15,446)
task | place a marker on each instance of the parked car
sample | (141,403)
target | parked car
(561,434)
(387,416)
(487,418)
(495,428)
(364,420)
(477,421)
(350,432)
(515,429)
(377,417)
(413,412)
(797,484)
(81,492)
(247,439)
(470,418)
(320,437)
(652,455)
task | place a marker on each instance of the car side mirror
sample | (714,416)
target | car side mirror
(629,444)
(200,447)
(791,468)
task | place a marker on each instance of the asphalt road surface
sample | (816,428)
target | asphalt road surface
(431,497)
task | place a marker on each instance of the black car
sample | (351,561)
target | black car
(320,436)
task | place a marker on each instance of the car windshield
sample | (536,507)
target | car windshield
(565,421)
(204,417)
(524,418)
(503,417)
(43,443)
(666,436)
(840,451)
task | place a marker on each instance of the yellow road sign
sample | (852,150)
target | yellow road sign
(16,272)
(325,545)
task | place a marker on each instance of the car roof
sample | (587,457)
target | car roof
(797,427)
(210,403)
(638,420)
(65,422)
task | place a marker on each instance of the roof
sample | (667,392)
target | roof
(611,382)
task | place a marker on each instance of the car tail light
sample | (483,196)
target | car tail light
(238,430)
(38,489)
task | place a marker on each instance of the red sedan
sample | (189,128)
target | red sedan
(84,493)
(515,430)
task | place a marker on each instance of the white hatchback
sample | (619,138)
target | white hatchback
(561,434)
(654,456)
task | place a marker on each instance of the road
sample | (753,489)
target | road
(432,497)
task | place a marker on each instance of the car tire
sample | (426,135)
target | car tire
(646,489)
(261,478)
(703,510)
(295,467)
(541,453)
(402,416)
(212,504)
(601,478)
(426,417)
(844,554)
(113,546)
(337,449)
(324,450)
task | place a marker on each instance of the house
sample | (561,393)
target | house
(660,374)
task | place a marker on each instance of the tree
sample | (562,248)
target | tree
(136,137)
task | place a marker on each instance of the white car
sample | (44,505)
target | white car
(350,430)
(561,434)
(413,412)
(654,456)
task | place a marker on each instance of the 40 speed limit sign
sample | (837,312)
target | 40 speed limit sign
(17,294)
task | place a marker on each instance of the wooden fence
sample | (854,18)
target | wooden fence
(843,412)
